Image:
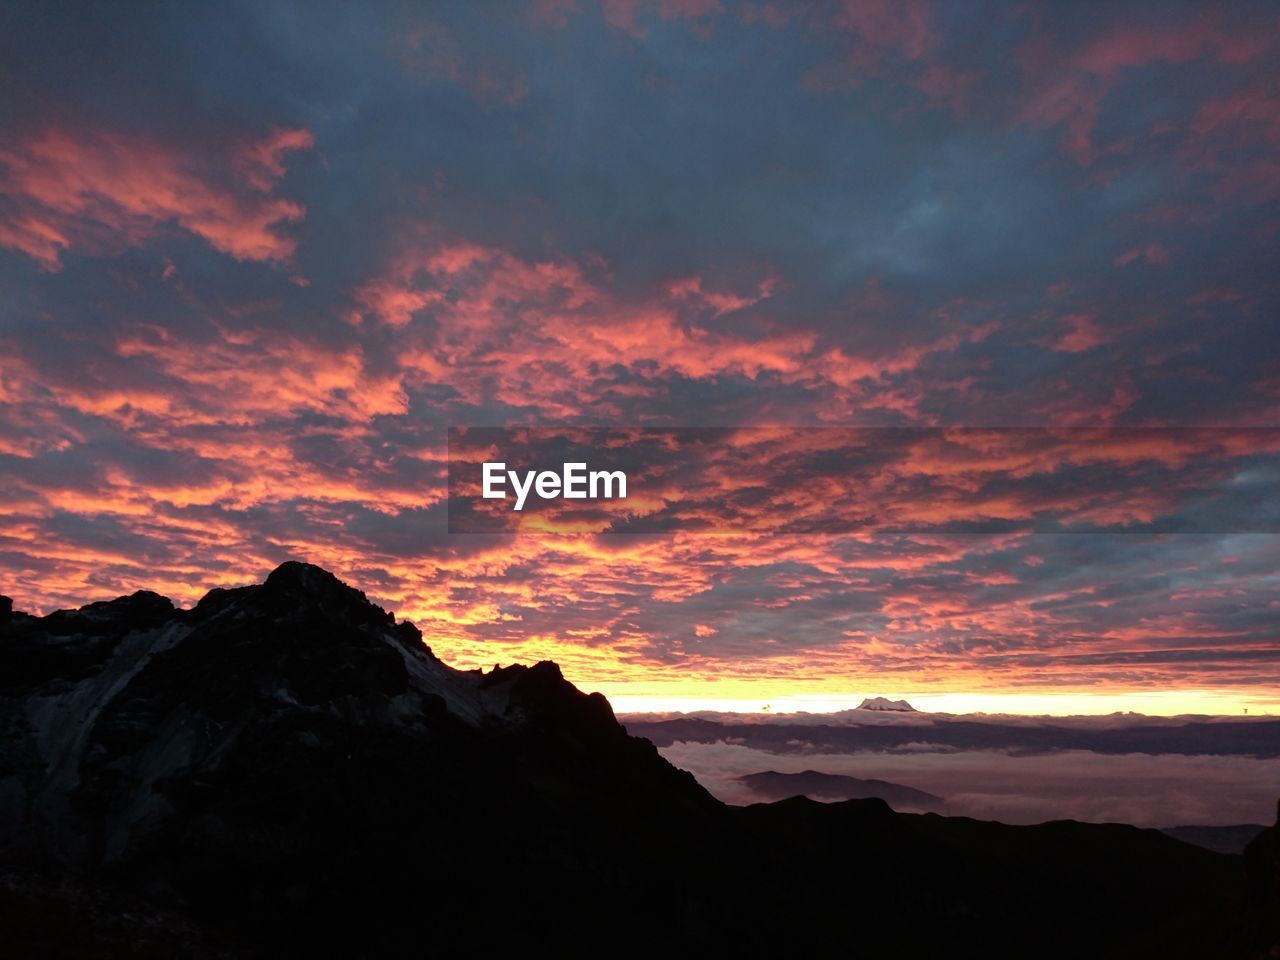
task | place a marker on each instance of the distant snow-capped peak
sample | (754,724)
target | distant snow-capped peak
(883,703)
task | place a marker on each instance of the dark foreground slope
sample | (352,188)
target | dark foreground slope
(285,770)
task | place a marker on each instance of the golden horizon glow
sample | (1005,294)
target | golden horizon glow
(784,684)
(1162,703)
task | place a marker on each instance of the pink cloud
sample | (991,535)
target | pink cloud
(624,14)
(947,86)
(1153,253)
(719,302)
(1068,89)
(1235,139)
(874,30)
(98,190)
(773,15)
(688,9)
(542,333)
(261,162)
(1081,333)
(551,335)
(429,48)
(552,13)
(888,25)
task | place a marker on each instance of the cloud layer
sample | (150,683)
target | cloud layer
(257,263)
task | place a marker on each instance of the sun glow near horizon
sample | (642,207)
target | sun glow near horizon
(795,683)
(1162,703)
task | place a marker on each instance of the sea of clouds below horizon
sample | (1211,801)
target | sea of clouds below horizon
(1013,785)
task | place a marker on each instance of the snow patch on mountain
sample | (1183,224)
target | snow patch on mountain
(883,703)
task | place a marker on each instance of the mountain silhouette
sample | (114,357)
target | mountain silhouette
(285,769)
(773,785)
(1233,838)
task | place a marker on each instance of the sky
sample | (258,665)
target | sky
(257,259)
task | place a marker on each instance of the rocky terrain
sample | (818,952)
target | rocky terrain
(284,768)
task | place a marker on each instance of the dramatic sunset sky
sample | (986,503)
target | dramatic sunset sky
(256,259)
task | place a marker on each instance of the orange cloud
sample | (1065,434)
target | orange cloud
(1069,89)
(99,190)
(1082,333)
(551,335)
